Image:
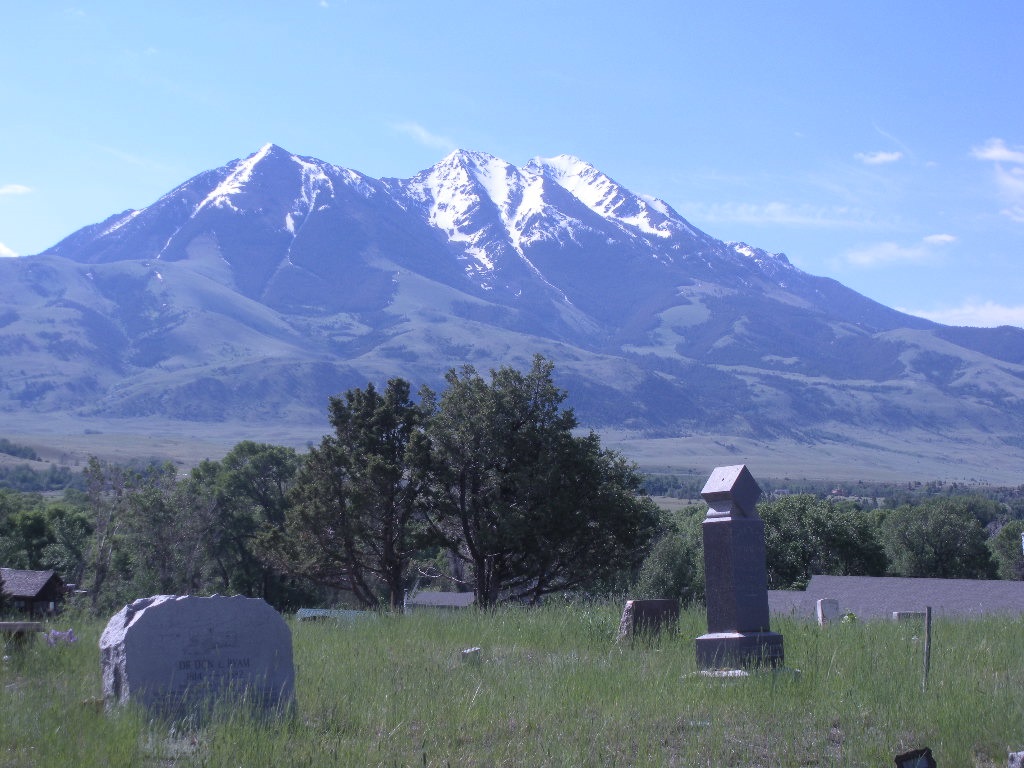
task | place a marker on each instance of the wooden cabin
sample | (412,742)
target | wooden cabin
(35,593)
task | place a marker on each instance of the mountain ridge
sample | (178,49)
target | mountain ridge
(257,289)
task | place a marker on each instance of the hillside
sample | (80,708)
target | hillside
(239,301)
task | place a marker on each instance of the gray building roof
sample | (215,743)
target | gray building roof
(871,597)
(26,584)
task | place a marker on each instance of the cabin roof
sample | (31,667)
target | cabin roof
(26,584)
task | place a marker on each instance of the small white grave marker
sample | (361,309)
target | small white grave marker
(828,611)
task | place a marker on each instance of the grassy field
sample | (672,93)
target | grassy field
(552,688)
(848,455)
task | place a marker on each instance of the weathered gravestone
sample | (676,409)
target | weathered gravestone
(735,576)
(181,655)
(647,617)
(827,611)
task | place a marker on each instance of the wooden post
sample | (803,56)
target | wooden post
(927,646)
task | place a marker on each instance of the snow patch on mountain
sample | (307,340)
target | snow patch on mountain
(126,218)
(644,214)
(235,182)
(765,260)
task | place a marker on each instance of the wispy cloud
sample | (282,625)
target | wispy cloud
(780,213)
(1008,172)
(982,314)
(997,151)
(878,158)
(893,253)
(425,137)
(14,189)
(6,252)
(128,157)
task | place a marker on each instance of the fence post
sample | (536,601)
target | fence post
(927,646)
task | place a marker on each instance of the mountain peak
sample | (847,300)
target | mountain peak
(240,172)
(607,198)
(563,167)
(469,157)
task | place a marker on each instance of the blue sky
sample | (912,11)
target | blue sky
(878,143)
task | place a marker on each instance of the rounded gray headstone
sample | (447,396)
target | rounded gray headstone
(184,655)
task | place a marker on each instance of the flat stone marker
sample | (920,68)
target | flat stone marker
(827,611)
(735,576)
(647,616)
(182,655)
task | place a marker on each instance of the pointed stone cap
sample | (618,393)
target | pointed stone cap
(731,492)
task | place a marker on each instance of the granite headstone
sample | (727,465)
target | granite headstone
(735,576)
(647,617)
(182,655)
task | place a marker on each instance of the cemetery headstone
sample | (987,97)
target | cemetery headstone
(828,611)
(647,617)
(181,655)
(735,576)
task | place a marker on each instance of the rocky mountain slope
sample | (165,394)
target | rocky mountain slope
(256,290)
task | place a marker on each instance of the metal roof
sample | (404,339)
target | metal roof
(879,596)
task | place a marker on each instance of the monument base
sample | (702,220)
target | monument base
(728,650)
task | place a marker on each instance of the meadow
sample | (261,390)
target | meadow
(551,687)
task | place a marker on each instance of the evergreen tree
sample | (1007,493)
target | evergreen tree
(357,513)
(529,506)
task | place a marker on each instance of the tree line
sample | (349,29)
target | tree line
(485,486)
(966,537)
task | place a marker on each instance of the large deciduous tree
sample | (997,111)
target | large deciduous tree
(805,535)
(941,538)
(246,494)
(674,568)
(1008,550)
(357,515)
(529,506)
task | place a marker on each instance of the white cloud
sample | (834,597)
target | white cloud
(997,151)
(425,137)
(878,158)
(14,189)
(986,314)
(1010,182)
(886,253)
(1009,174)
(6,252)
(892,253)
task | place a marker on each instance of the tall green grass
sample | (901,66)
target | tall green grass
(552,688)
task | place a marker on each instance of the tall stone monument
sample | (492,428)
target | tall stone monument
(735,576)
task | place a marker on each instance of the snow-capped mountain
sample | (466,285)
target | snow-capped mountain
(260,288)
